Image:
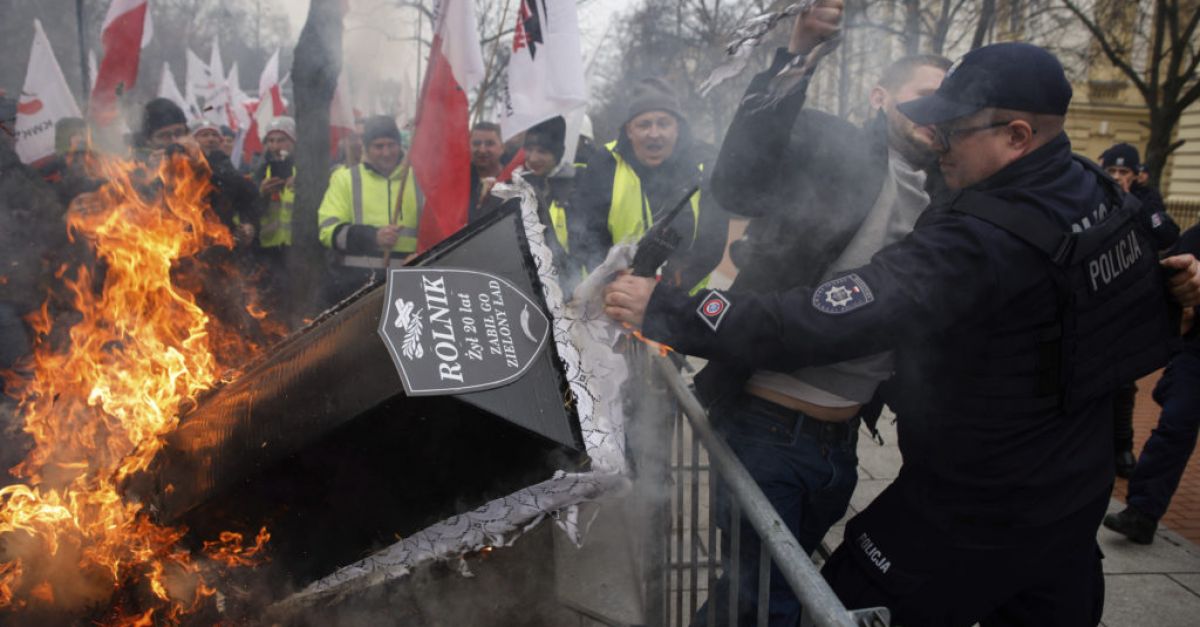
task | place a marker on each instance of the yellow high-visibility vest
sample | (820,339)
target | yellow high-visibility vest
(359,195)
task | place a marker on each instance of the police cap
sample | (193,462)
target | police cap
(1016,76)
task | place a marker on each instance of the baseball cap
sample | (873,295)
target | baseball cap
(1010,75)
(1121,155)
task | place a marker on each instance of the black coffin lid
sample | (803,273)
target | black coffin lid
(337,370)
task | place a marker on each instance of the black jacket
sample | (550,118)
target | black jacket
(587,221)
(808,191)
(945,298)
(233,194)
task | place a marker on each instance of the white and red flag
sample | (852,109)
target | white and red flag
(341,114)
(126,29)
(441,155)
(45,99)
(545,72)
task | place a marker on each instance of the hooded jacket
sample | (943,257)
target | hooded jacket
(702,244)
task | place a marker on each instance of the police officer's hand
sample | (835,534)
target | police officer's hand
(822,21)
(386,236)
(625,299)
(1185,283)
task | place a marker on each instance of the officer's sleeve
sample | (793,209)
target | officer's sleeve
(767,146)
(939,276)
(336,211)
(706,252)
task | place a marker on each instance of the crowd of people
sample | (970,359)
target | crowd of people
(950,257)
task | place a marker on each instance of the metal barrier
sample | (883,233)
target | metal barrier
(691,552)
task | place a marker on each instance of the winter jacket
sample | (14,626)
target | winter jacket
(591,208)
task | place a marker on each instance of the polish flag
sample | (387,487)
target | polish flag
(341,114)
(126,29)
(45,99)
(267,108)
(441,155)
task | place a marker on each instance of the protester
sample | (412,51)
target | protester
(234,198)
(636,179)
(552,181)
(31,229)
(67,171)
(486,150)
(358,217)
(228,137)
(207,134)
(1007,450)
(277,196)
(878,177)
(163,124)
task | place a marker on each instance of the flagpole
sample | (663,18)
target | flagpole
(83,64)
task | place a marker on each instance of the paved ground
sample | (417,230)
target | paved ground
(1184,515)
(1145,585)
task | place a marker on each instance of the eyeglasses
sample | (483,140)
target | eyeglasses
(944,136)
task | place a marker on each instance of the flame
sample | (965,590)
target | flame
(663,349)
(104,391)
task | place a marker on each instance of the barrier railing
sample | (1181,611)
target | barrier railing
(690,547)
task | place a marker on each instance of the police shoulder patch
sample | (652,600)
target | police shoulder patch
(842,295)
(713,308)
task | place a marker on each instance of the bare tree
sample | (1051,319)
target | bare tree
(1167,81)
(318,60)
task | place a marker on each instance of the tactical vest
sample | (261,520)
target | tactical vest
(275,227)
(1115,322)
(629,212)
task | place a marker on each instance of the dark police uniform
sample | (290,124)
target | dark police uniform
(1010,334)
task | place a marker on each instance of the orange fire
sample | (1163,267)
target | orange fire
(102,394)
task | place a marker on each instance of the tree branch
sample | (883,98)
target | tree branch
(1109,51)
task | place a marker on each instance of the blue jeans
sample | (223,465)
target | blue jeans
(1166,454)
(809,482)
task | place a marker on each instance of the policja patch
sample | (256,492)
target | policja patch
(841,295)
(713,309)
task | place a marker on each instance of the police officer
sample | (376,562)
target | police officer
(1009,340)
(357,219)
(1166,453)
(632,181)
(1123,163)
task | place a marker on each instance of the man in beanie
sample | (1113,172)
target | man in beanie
(1006,349)
(638,178)
(552,180)
(163,124)
(360,218)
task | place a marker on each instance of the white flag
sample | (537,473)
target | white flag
(195,79)
(169,90)
(545,74)
(216,97)
(45,99)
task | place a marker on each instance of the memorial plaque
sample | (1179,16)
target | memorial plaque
(454,331)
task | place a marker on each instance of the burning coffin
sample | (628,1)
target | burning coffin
(423,398)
